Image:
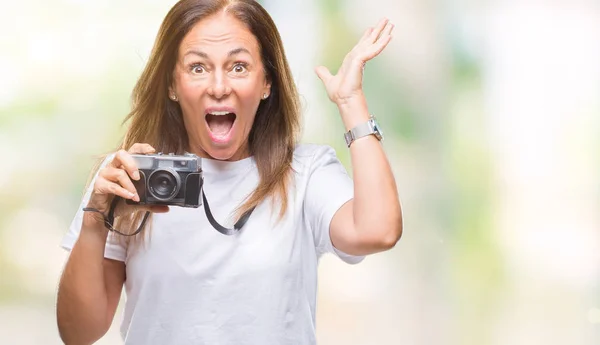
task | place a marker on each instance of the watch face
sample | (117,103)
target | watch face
(378,133)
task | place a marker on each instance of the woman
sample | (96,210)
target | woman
(218,85)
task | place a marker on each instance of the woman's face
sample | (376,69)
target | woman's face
(219,80)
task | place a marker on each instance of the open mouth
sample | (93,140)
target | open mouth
(220,123)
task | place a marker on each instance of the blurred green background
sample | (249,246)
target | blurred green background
(492,117)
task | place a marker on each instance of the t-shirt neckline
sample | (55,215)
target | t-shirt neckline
(218,166)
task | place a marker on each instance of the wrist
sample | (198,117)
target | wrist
(93,222)
(93,235)
(363,129)
(353,112)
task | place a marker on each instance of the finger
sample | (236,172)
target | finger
(387,31)
(377,30)
(152,208)
(323,74)
(123,159)
(124,210)
(120,176)
(159,209)
(377,48)
(366,35)
(104,186)
(138,148)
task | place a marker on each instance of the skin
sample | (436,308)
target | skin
(372,221)
(91,285)
(219,65)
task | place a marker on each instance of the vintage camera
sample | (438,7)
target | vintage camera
(168,180)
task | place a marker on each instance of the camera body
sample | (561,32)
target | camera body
(168,179)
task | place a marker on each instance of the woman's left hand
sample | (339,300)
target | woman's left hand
(346,86)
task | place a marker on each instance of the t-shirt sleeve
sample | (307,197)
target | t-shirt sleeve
(329,188)
(115,248)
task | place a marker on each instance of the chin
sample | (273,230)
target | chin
(221,152)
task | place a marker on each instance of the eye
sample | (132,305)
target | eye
(197,69)
(239,68)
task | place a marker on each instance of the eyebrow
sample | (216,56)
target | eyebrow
(230,54)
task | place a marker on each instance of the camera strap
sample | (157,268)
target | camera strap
(225,231)
(110,218)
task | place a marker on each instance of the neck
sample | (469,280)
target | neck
(241,153)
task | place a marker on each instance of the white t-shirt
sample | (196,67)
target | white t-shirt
(189,284)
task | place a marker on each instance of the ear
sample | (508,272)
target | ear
(172,90)
(267,88)
(172,95)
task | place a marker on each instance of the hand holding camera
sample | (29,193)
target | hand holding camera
(117,179)
(152,182)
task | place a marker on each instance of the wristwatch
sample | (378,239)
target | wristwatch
(367,128)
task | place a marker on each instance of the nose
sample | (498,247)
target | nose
(219,87)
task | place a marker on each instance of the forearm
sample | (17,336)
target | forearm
(376,206)
(82,308)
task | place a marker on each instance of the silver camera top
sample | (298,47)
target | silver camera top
(188,162)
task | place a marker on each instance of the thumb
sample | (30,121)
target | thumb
(323,74)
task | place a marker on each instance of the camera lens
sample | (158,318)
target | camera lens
(164,184)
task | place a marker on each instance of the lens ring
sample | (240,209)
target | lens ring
(164,184)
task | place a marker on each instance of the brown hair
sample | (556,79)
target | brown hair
(156,120)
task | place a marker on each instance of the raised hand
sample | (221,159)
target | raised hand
(346,86)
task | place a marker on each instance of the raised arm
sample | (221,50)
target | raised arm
(372,221)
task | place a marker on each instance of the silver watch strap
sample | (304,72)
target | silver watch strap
(362,130)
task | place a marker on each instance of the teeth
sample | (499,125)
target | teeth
(219,113)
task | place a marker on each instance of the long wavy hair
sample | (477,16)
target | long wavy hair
(158,121)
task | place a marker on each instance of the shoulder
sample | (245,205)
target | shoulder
(310,152)
(309,157)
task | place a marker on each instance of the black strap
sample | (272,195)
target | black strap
(110,218)
(225,231)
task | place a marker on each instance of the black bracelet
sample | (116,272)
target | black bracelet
(110,219)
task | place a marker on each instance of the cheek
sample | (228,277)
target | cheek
(188,94)
(250,105)
(247,91)
(250,95)
(188,90)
